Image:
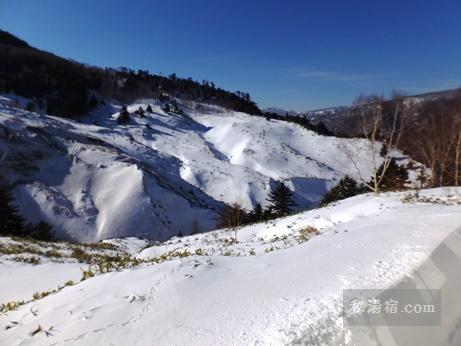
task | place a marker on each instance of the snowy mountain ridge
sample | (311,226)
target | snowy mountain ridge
(97,179)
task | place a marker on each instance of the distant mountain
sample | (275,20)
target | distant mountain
(337,118)
(279,111)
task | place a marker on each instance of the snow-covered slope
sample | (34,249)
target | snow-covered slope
(281,283)
(158,175)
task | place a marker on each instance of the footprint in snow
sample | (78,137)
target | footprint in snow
(12,325)
(133,297)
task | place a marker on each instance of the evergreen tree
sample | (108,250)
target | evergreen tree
(281,199)
(347,187)
(140,112)
(257,214)
(395,177)
(124,116)
(41,231)
(268,215)
(124,111)
(166,108)
(92,102)
(323,130)
(11,222)
(149,109)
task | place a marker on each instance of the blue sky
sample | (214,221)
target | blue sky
(292,54)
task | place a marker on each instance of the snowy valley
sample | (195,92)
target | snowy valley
(162,164)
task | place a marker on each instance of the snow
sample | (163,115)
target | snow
(439,271)
(129,245)
(16,278)
(94,179)
(270,287)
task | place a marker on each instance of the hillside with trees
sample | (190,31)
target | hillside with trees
(67,88)
(426,127)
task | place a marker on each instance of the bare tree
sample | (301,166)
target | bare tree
(457,158)
(457,135)
(382,124)
(437,140)
(232,217)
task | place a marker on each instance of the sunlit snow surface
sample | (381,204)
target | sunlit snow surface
(95,179)
(266,289)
